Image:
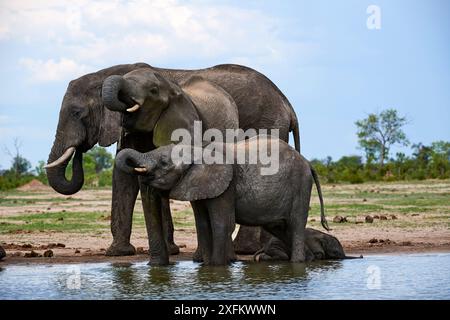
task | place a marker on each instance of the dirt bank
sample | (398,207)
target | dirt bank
(405,218)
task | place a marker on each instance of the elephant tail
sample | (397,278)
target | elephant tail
(294,128)
(296,134)
(323,220)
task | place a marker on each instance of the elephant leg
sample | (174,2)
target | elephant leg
(168,225)
(125,188)
(297,224)
(157,237)
(204,233)
(221,213)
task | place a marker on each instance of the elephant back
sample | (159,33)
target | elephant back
(214,105)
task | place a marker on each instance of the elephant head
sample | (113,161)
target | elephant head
(83,122)
(149,103)
(187,181)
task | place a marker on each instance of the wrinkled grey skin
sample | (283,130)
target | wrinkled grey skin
(164,107)
(83,122)
(223,194)
(318,246)
(247,88)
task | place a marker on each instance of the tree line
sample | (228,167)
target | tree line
(377,133)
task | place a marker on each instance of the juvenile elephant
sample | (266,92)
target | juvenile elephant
(84,122)
(224,193)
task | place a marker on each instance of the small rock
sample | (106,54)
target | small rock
(48,208)
(60,219)
(376,217)
(339,219)
(60,245)
(32,254)
(415,215)
(373,240)
(64,210)
(364,200)
(77,251)
(369,219)
(383,217)
(312,220)
(393,217)
(102,249)
(381,241)
(182,245)
(27,246)
(48,254)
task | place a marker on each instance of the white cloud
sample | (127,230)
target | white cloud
(50,70)
(75,35)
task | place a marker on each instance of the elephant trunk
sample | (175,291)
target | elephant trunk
(134,162)
(57,174)
(111,89)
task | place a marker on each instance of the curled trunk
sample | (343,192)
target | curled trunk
(57,175)
(129,159)
(111,90)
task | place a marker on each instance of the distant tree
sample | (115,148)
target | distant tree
(378,132)
(102,158)
(19,165)
(40,172)
(440,159)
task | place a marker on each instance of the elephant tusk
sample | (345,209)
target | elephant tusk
(140,170)
(134,108)
(66,155)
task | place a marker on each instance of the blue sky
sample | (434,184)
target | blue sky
(321,54)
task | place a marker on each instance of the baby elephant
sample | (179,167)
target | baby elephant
(223,193)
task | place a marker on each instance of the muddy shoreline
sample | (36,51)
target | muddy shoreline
(61,257)
(405,217)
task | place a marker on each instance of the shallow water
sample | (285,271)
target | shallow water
(424,276)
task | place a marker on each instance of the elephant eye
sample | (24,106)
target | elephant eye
(77,113)
(154,90)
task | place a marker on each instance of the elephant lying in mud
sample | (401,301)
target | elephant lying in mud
(84,122)
(318,246)
(222,194)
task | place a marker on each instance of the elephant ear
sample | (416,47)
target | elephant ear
(110,127)
(203,181)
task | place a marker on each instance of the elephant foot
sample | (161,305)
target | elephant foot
(197,257)
(158,261)
(121,249)
(174,249)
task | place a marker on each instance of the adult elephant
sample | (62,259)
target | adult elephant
(159,107)
(83,122)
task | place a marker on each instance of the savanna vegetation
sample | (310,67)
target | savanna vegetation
(377,133)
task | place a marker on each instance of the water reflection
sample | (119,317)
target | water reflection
(241,280)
